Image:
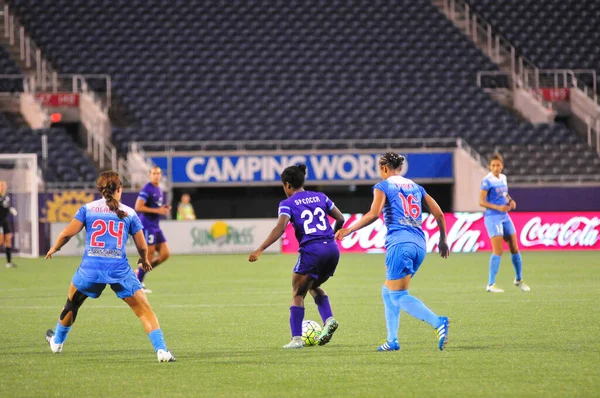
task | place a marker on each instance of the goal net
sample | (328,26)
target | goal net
(20,173)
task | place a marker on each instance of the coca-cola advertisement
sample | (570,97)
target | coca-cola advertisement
(466,233)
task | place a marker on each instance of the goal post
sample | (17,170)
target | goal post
(20,171)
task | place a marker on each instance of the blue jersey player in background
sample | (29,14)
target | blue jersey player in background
(497,202)
(151,206)
(400,200)
(108,225)
(319,253)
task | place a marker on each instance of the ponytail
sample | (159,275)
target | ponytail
(108,183)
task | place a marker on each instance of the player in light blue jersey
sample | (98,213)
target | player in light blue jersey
(108,225)
(497,202)
(400,200)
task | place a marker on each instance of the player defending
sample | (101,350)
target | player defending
(5,224)
(400,200)
(150,205)
(497,202)
(319,254)
(108,225)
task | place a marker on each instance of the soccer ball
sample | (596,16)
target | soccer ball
(311,331)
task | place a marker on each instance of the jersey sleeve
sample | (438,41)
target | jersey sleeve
(135,225)
(143,195)
(328,203)
(382,186)
(422,191)
(485,184)
(284,210)
(80,215)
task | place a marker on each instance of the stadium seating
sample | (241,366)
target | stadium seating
(289,70)
(553,34)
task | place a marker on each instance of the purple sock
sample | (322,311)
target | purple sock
(296,318)
(141,274)
(324,307)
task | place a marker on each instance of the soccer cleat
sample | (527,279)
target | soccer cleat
(329,328)
(493,289)
(11,265)
(389,346)
(146,290)
(55,348)
(522,285)
(442,332)
(295,343)
(165,356)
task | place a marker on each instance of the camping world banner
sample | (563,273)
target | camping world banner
(265,169)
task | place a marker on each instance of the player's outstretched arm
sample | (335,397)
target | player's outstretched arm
(66,234)
(142,248)
(140,207)
(373,214)
(275,234)
(437,212)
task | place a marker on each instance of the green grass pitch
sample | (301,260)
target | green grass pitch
(226,320)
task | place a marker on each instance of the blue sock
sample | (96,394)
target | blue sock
(296,317)
(157,339)
(518,264)
(414,307)
(392,315)
(61,332)
(494,267)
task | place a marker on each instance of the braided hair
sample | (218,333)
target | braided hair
(294,175)
(108,183)
(392,160)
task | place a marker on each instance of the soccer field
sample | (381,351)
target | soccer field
(226,321)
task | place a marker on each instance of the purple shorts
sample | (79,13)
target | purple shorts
(318,259)
(154,236)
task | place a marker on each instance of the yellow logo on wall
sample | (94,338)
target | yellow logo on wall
(61,207)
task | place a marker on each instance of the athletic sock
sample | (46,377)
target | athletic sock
(518,264)
(392,314)
(8,251)
(296,318)
(141,274)
(494,267)
(61,332)
(157,339)
(324,307)
(414,307)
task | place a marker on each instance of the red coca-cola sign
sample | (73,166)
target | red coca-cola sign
(68,100)
(466,233)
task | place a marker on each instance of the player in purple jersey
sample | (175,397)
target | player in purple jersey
(400,200)
(151,206)
(108,225)
(319,254)
(497,202)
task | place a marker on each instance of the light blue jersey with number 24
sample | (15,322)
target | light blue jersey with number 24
(104,259)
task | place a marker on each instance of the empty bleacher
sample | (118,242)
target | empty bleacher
(290,70)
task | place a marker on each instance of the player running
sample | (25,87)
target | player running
(400,199)
(6,230)
(151,205)
(108,225)
(497,202)
(319,254)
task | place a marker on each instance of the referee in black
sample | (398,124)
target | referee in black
(6,230)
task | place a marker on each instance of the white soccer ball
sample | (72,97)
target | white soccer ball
(311,331)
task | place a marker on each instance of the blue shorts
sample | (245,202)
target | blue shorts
(124,288)
(318,259)
(403,259)
(500,225)
(154,236)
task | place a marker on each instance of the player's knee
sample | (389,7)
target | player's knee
(70,307)
(165,253)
